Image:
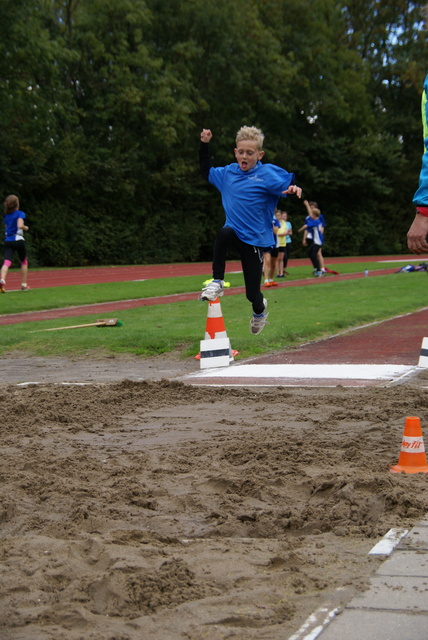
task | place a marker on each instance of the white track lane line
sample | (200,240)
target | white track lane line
(388,543)
(307,371)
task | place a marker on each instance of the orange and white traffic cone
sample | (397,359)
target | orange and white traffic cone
(219,354)
(215,327)
(412,454)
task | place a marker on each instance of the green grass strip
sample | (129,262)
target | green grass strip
(296,315)
(76,295)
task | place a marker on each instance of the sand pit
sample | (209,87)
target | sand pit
(150,509)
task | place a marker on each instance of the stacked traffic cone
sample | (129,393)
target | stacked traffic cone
(215,327)
(215,348)
(412,454)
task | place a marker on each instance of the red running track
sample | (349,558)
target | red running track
(396,341)
(95,275)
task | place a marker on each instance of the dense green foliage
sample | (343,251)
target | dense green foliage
(102,102)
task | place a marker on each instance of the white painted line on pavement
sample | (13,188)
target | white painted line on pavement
(409,260)
(302,371)
(321,618)
(388,543)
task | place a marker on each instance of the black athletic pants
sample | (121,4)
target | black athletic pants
(313,254)
(251,260)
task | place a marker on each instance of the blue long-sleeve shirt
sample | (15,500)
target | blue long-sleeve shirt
(420,199)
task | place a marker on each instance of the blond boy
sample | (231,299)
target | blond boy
(250,191)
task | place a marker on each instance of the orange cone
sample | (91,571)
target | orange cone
(412,454)
(215,327)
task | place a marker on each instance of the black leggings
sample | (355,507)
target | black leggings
(251,260)
(286,254)
(313,254)
(10,246)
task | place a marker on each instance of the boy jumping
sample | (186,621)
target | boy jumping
(250,191)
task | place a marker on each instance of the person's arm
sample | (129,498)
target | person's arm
(417,234)
(308,206)
(21,224)
(204,153)
(293,190)
(305,226)
(277,228)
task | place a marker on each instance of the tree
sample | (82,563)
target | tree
(102,102)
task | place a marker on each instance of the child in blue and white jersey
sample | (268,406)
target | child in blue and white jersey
(314,205)
(284,242)
(250,192)
(271,254)
(14,241)
(313,238)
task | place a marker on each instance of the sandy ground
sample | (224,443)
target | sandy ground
(135,507)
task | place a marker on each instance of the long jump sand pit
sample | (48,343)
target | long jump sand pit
(154,509)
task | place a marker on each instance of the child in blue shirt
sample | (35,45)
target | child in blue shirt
(250,191)
(313,238)
(314,205)
(14,241)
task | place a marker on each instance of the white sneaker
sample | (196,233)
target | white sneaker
(257,323)
(212,290)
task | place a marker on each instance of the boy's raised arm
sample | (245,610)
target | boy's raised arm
(206,135)
(204,153)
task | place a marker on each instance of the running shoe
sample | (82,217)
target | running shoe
(258,322)
(319,274)
(25,287)
(212,290)
(2,286)
(272,283)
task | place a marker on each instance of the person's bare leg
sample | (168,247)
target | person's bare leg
(280,264)
(321,260)
(272,268)
(3,272)
(267,259)
(24,273)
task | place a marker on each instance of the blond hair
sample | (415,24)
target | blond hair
(11,204)
(251,133)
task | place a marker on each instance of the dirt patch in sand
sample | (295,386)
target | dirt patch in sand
(149,509)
